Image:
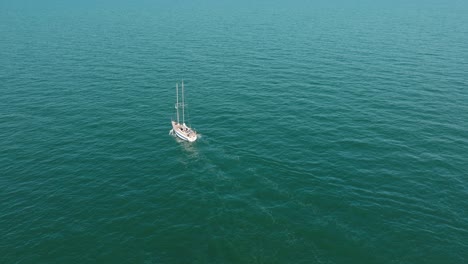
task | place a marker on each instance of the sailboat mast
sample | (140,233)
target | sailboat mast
(177,101)
(183,104)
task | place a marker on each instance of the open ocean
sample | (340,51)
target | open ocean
(331,132)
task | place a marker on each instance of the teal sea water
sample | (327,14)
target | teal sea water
(331,132)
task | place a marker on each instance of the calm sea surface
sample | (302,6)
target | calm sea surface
(331,132)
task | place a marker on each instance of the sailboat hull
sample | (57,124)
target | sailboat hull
(184,132)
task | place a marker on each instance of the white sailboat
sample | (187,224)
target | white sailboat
(181,129)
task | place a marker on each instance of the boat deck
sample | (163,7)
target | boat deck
(184,132)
